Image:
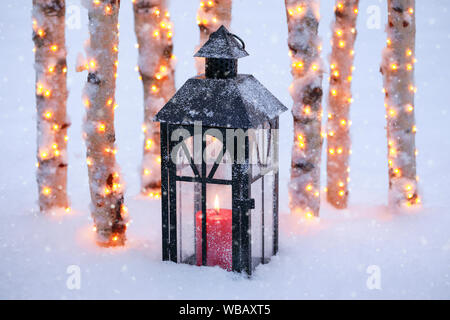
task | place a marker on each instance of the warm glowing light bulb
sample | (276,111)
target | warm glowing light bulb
(298,65)
(39,88)
(108,9)
(307,110)
(148,144)
(46,191)
(101,127)
(48,115)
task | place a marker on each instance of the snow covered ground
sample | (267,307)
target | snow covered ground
(317,259)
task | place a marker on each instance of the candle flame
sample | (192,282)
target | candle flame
(216,203)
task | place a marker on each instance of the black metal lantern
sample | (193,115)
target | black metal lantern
(219,156)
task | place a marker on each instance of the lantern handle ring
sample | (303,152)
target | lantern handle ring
(240,40)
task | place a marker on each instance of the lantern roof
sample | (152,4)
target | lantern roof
(239,102)
(222,45)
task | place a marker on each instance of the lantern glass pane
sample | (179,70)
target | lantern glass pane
(256,222)
(184,157)
(260,149)
(218,161)
(186,196)
(268,224)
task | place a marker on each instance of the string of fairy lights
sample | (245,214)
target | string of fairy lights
(52,126)
(161,30)
(340,99)
(112,191)
(337,125)
(398,63)
(306,65)
(204,18)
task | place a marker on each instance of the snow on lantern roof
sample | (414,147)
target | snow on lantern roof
(222,45)
(238,102)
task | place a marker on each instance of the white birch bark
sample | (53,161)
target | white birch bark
(51,98)
(339,101)
(306,91)
(398,75)
(107,208)
(156,67)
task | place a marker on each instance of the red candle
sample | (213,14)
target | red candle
(219,238)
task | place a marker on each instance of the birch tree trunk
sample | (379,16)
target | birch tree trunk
(210,16)
(398,75)
(339,101)
(51,97)
(108,210)
(156,67)
(306,90)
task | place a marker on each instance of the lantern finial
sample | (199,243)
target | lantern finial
(221,52)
